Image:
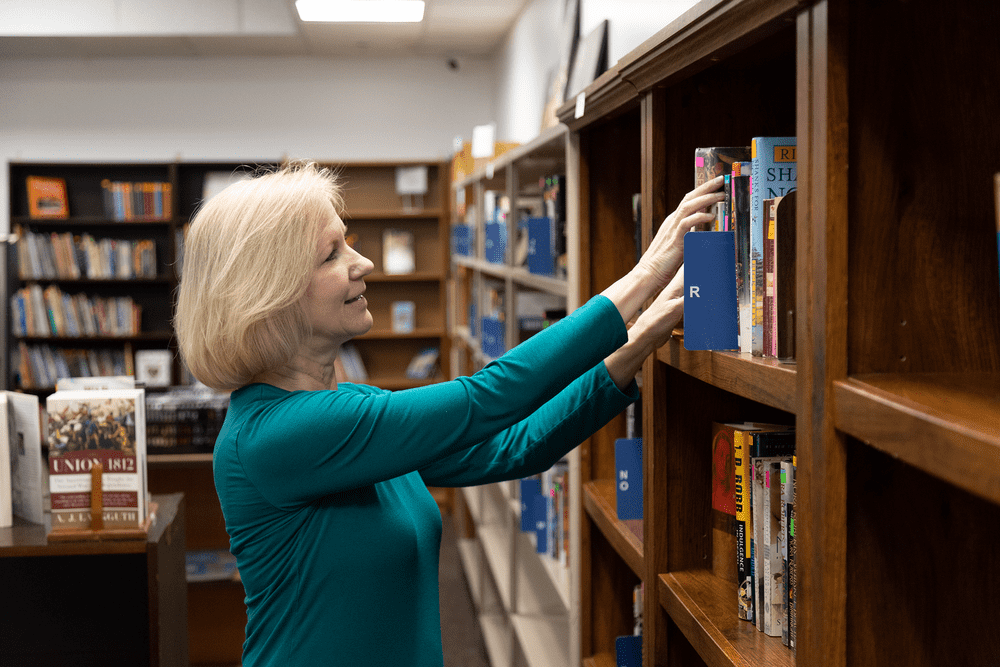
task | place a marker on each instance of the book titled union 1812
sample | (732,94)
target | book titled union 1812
(772,174)
(106,426)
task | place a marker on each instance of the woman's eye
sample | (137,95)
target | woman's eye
(332,256)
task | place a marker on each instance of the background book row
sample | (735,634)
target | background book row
(545,511)
(69,256)
(41,366)
(753,487)
(51,312)
(350,367)
(143,200)
(740,272)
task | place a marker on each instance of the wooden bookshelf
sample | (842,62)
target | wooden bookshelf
(895,390)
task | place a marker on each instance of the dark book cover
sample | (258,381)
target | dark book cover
(740,217)
(784,277)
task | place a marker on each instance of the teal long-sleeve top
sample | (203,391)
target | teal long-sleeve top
(325,495)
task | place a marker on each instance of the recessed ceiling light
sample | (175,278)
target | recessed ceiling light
(361,11)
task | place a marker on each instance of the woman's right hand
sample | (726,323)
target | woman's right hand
(666,251)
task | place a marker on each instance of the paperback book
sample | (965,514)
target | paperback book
(772,175)
(97,426)
(21,449)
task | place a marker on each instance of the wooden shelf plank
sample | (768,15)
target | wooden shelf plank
(765,380)
(704,607)
(945,424)
(601,660)
(599,501)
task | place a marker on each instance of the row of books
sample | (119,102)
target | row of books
(185,419)
(545,511)
(41,366)
(38,311)
(131,201)
(68,256)
(753,483)
(749,307)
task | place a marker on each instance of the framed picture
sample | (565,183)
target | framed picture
(47,197)
(152,367)
(591,60)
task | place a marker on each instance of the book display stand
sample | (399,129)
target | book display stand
(97,531)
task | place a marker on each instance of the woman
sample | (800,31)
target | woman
(323,486)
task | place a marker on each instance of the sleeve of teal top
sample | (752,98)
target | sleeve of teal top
(312,444)
(536,443)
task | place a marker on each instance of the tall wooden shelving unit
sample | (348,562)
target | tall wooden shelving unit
(895,392)
(525,601)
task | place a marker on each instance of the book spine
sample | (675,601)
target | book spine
(772,175)
(744,524)
(771,550)
(770,320)
(787,536)
(741,227)
(784,276)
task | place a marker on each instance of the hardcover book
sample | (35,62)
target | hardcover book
(47,197)
(717,161)
(628,478)
(772,175)
(786,538)
(23,437)
(740,217)
(710,306)
(770,319)
(772,581)
(97,426)
(541,246)
(784,277)
(530,487)
(397,251)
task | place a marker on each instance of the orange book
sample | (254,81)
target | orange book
(47,197)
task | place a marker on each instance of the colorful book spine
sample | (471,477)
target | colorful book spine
(770,318)
(787,537)
(744,522)
(740,217)
(784,276)
(773,573)
(717,161)
(772,175)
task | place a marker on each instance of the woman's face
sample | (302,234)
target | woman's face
(334,302)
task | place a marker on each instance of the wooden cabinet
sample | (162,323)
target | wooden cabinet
(524,600)
(895,392)
(96,603)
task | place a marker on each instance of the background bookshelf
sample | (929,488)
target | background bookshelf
(216,610)
(524,600)
(374,207)
(895,392)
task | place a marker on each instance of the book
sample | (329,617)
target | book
(717,161)
(740,220)
(784,277)
(787,537)
(772,580)
(352,364)
(47,197)
(743,448)
(772,175)
(554,205)
(398,255)
(24,439)
(628,651)
(529,488)
(106,426)
(403,316)
(423,364)
(541,246)
(710,305)
(769,317)
(628,478)
(723,469)
(210,565)
(792,578)
(152,367)
(769,445)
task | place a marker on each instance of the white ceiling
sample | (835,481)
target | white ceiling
(206,28)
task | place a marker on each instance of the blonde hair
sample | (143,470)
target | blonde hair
(248,257)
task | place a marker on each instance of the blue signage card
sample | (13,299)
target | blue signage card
(711,319)
(628,478)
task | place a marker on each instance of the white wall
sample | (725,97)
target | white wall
(233,109)
(530,53)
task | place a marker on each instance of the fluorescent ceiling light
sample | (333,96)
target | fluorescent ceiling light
(361,11)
